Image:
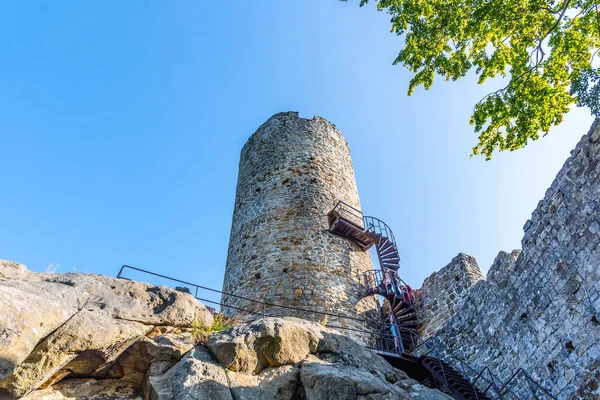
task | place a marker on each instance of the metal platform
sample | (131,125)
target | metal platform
(347,222)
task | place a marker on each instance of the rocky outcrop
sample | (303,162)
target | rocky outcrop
(81,336)
(285,359)
(196,377)
(273,342)
(58,327)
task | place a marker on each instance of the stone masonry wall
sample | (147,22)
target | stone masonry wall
(292,172)
(444,291)
(540,309)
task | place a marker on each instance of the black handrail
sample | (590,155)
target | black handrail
(344,210)
(378,226)
(374,278)
(448,354)
(262,303)
(380,336)
(530,381)
(342,204)
(491,381)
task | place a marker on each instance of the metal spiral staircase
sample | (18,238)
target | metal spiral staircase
(397,312)
(385,243)
(455,381)
(397,333)
(399,308)
(399,318)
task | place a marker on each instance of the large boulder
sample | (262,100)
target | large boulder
(196,377)
(284,359)
(282,383)
(269,342)
(86,332)
(323,381)
(289,358)
(13,270)
(89,389)
(57,326)
(272,342)
(347,382)
(165,350)
(30,311)
(135,301)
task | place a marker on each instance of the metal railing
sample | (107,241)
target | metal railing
(263,306)
(484,379)
(397,291)
(391,343)
(379,227)
(374,282)
(534,386)
(349,213)
(383,341)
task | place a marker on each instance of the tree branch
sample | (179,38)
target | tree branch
(539,51)
(562,13)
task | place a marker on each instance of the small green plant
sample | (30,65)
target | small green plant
(324,320)
(221,322)
(200,331)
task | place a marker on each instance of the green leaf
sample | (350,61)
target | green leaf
(547,51)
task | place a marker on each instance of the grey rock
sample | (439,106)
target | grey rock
(420,392)
(196,377)
(13,270)
(282,383)
(273,342)
(333,382)
(89,389)
(79,325)
(134,363)
(136,301)
(29,311)
(85,331)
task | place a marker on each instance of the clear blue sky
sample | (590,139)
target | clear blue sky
(122,124)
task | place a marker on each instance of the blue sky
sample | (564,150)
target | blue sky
(122,124)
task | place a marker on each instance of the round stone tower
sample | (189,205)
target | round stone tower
(292,172)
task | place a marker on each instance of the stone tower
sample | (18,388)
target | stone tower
(292,172)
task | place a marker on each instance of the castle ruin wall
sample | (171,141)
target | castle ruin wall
(540,309)
(443,292)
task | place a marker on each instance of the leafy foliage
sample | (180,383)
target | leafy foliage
(545,48)
(220,322)
(325,320)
